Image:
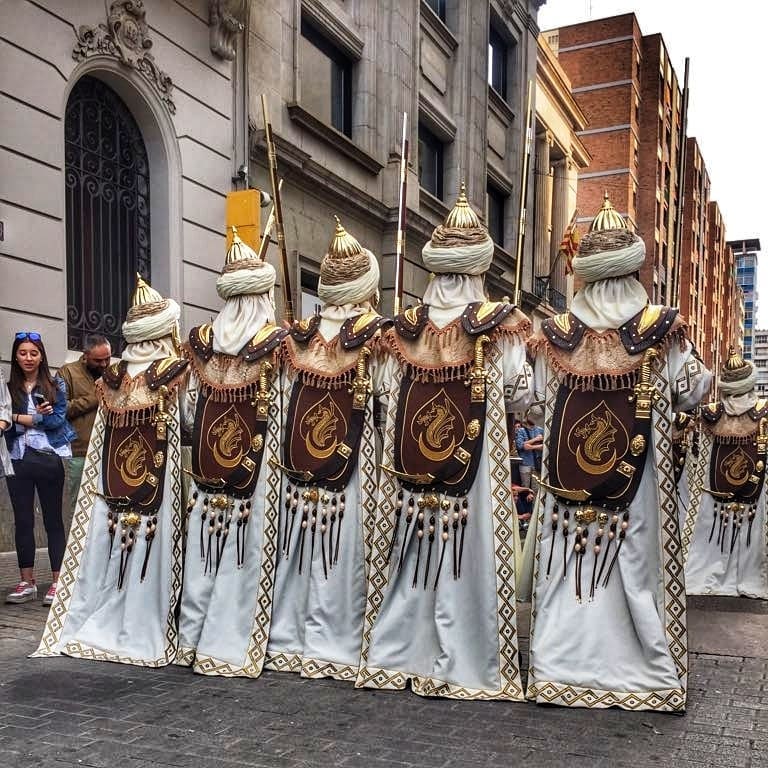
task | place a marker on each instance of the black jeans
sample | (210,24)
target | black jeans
(43,472)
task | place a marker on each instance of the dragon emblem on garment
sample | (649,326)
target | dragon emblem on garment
(737,467)
(435,426)
(226,438)
(320,428)
(598,440)
(131,459)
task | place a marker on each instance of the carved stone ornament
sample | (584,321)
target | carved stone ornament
(227,20)
(125,37)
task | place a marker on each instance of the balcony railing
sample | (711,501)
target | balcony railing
(544,290)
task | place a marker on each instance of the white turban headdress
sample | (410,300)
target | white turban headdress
(349,273)
(461,245)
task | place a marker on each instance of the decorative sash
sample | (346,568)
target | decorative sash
(229,434)
(325,424)
(597,451)
(135,452)
(440,425)
(736,469)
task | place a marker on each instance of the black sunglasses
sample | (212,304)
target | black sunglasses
(31,335)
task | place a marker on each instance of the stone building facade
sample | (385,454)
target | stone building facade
(119,145)
(338,77)
(177,84)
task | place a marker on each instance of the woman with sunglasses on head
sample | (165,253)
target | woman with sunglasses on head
(38,440)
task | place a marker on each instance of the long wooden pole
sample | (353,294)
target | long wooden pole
(523,195)
(402,200)
(268,227)
(278,211)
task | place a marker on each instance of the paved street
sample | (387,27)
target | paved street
(57,713)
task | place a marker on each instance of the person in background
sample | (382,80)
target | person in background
(6,467)
(530,444)
(82,402)
(39,439)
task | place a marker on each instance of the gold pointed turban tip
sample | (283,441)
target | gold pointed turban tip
(144,293)
(462,216)
(343,245)
(239,252)
(736,367)
(608,218)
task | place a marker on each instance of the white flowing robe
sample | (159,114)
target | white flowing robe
(225,611)
(317,620)
(626,646)
(90,617)
(457,640)
(710,569)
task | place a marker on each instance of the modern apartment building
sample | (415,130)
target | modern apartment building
(760,359)
(745,254)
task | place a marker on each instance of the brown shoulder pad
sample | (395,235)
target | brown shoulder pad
(564,331)
(647,328)
(355,331)
(201,341)
(114,375)
(712,412)
(483,316)
(263,342)
(303,330)
(410,323)
(163,372)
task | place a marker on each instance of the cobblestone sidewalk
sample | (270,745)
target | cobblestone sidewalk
(59,713)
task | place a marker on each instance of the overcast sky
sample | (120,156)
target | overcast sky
(727,108)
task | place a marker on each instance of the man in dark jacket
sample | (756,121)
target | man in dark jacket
(81,376)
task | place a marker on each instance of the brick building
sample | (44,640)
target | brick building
(696,275)
(624,82)
(724,296)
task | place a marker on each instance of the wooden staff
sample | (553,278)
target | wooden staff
(524,194)
(400,247)
(278,211)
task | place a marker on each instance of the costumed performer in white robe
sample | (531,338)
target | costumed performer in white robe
(442,591)
(329,462)
(726,541)
(121,575)
(231,411)
(608,613)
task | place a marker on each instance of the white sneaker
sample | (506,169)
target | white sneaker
(50,594)
(23,593)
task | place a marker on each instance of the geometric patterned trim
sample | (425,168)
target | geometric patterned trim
(312,668)
(185,657)
(697,470)
(672,574)
(283,662)
(76,547)
(552,389)
(318,669)
(378,573)
(667,700)
(386,679)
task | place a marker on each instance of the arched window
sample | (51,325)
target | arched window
(107,190)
